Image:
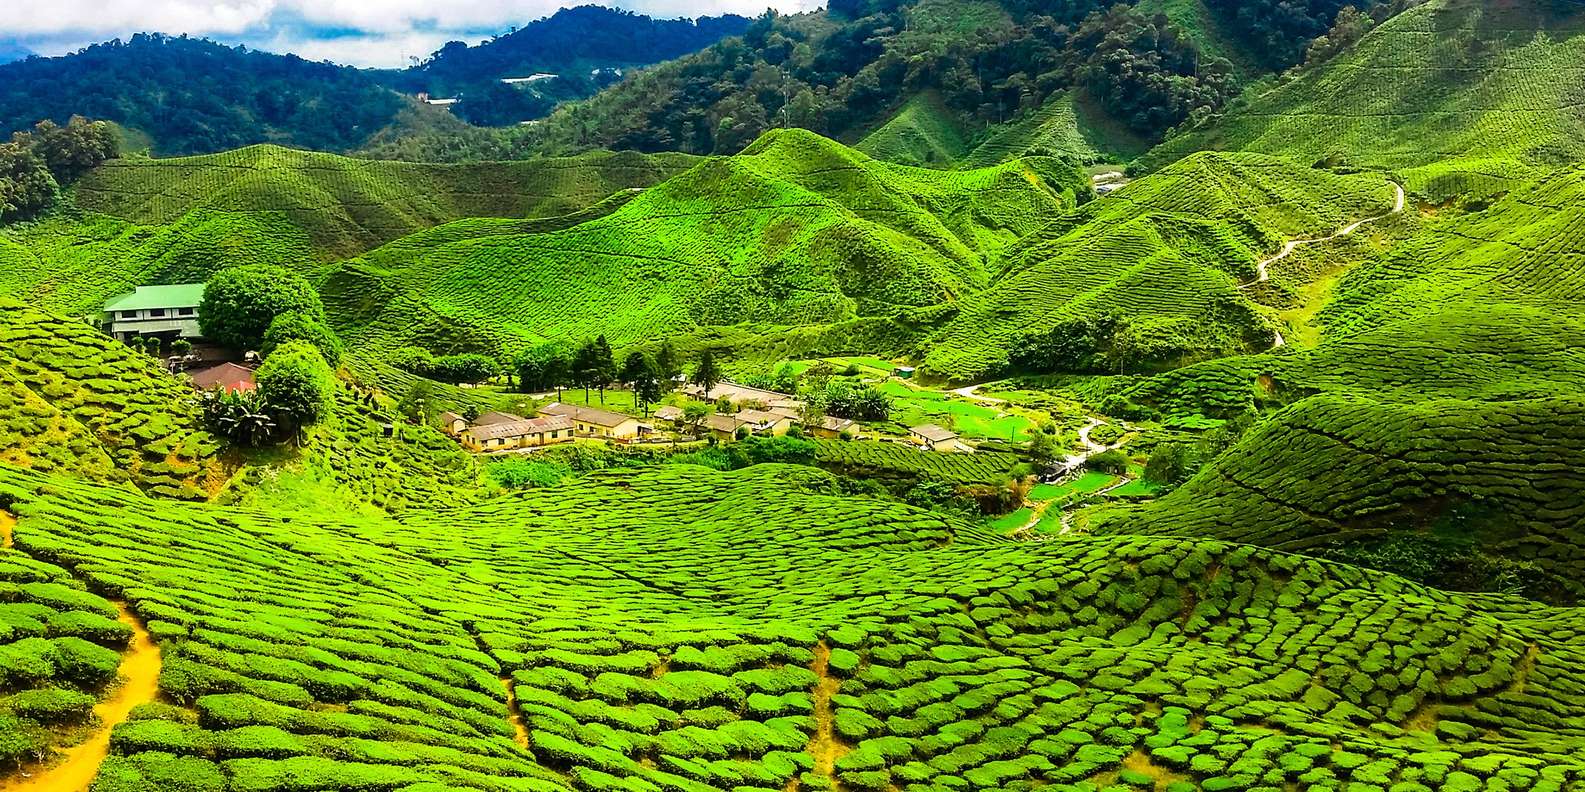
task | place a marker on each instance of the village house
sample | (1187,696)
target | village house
(831,427)
(517,434)
(766,423)
(602,424)
(169,312)
(452,423)
(723,427)
(226,376)
(740,395)
(934,438)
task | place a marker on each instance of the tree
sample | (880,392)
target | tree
(694,414)
(543,368)
(667,366)
(1170,464)
(635,366)
(26,186)
(646,389)
(707,375)
(413,360)
(419,404)
(469,368)
(1042,448)
(296,384)
(602,365)
(240,303)
(299,326)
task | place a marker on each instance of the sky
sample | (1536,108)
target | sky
(378,33)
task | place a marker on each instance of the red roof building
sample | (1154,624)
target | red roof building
(228,376)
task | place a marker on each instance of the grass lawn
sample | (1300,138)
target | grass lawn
(915,406)
(1011,522)
(1089,481)
(1138,488)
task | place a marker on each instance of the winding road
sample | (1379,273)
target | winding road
(1263,268)
(1074,461)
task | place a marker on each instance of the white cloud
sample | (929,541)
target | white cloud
(365,32)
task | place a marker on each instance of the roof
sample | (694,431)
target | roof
(587,414)
(181,295)
(669,413)
(736,392)
(449,417)
(722,423)
(831,423)
(229,376)
(759,417)
(493,418)
(934,434)
(520,428)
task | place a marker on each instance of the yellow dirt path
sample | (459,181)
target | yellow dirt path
(140,674)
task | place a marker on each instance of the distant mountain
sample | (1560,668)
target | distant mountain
(12,51)
(572,54)
(192,95)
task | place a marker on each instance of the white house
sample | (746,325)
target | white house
(167,311)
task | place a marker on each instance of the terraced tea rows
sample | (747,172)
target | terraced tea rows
(1465,92)
(876,460)
(1167,253)
(347,206)
(787,637)
(74,401)
(1067,124)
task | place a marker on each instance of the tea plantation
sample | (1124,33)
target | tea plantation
(1461,95)
(798,230)
(693,630)
(74,401)
(1168,252)
(179,220)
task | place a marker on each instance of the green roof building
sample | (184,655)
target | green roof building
(167,311)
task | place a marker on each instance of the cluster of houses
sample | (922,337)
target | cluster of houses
(759,412)
(556,424)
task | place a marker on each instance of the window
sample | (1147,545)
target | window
(186,311)
(129,314)
(556,435)
(155,313)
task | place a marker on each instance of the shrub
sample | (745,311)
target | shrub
(300,326)
(50,705)
(296,384)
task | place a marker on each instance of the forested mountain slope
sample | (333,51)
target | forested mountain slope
(568,55)
(1459,95)
(798,230)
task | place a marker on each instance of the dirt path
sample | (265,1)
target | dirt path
(969,392)
(515,713)
(8,529)
(140,674)
(1263,268)
(825,746)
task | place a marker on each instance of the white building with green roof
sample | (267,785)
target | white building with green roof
(167,311)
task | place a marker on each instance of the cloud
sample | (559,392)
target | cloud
(359,32)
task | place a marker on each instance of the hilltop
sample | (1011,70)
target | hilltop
(1166,254)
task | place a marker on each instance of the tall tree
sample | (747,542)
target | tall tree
(667,365)
(707,374)
(602,365)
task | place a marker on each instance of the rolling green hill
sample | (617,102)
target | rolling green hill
(695,630)
(172,220)
(1067,124)
(924,132)
(796,231)
(1168,253)
(1457,95)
